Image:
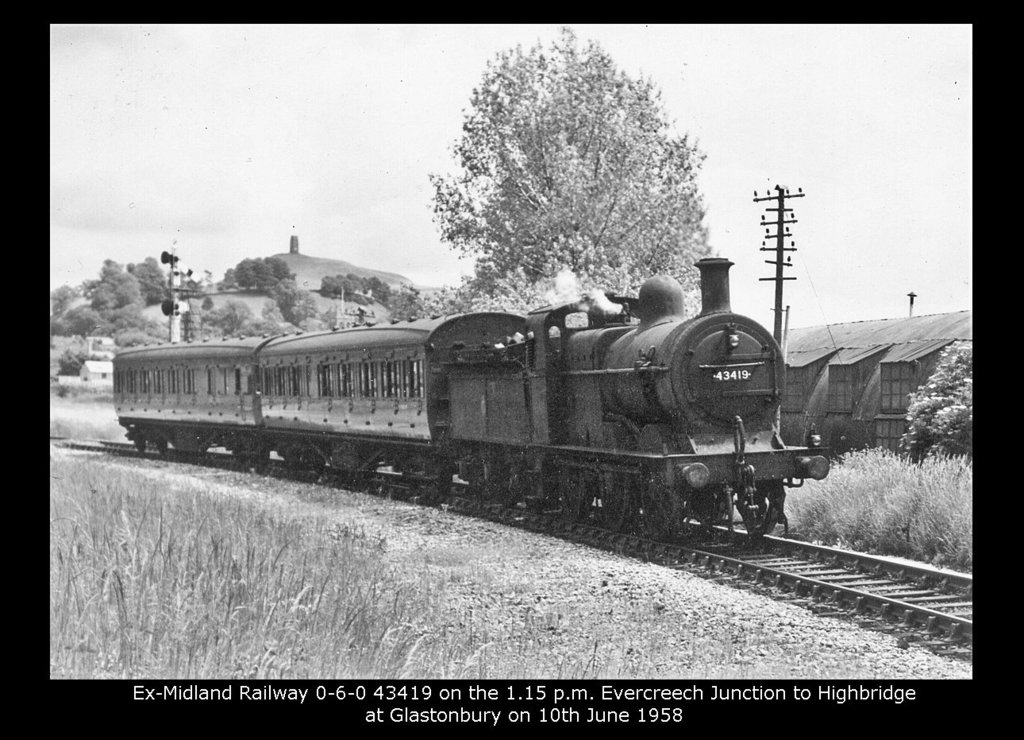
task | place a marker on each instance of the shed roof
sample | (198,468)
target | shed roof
(805,358)
(914,350)
(856,354)
(99,366)
(948,326)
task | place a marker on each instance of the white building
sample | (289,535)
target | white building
(100,372)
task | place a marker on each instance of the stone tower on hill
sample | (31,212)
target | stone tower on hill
(294,246)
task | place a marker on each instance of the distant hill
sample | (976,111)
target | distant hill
(310,271)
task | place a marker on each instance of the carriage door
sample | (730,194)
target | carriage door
(243,389)
(255,386)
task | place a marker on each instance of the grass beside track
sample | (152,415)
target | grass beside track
(83,414)
(877,502)
(159,582)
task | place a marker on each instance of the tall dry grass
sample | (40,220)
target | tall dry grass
(178,583)
(84,415)
(876,501)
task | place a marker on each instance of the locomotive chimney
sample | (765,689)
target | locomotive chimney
(293,248)
(714,285)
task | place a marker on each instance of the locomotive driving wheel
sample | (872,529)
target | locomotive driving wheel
(711,507)
(572,499)
(657,511)
(613,501)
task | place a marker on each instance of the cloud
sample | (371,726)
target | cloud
(143,200)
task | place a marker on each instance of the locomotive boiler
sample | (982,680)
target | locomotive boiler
(634,417)
(638,417)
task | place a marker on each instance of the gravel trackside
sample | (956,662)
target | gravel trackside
(593,614)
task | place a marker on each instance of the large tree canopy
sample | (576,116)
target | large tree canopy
(153,283)
(567,162)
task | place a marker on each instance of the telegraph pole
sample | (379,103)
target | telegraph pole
(781,234)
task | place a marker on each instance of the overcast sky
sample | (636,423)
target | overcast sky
(228,139)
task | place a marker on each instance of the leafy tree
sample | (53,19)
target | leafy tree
(344,286)
(296,304)
(207,303)
(152,280)
(941,412)
(115,288)
(567,162)
(407,303)
(261,274)
(229,319)
(270,322)
(130,337)
(61,299)
(230,280)
(129,317)
(279,269)
(70,362)
(81,321)
(380,290)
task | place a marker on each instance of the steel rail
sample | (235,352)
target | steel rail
(761,567)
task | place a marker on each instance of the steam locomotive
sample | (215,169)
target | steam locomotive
(633,417)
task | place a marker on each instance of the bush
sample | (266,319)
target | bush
(71,362)
(941,411)
(876,501)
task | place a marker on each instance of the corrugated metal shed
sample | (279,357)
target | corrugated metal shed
(868,345)
(803,359)
(957,325)
(856,354)
(914,350)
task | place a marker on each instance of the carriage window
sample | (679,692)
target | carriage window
(387,384)
(345,370)
(190,381)
(416,379)
(238,381)
(324,381)
(370,379)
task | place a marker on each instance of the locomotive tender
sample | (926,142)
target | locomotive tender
(638,418)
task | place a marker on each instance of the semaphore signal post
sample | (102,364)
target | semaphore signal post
(783,217)
(176,308)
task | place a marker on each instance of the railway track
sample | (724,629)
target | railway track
(915,602)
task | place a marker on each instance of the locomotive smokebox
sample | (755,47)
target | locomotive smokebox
(714,285)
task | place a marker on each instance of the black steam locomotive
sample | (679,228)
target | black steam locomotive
(637,418)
